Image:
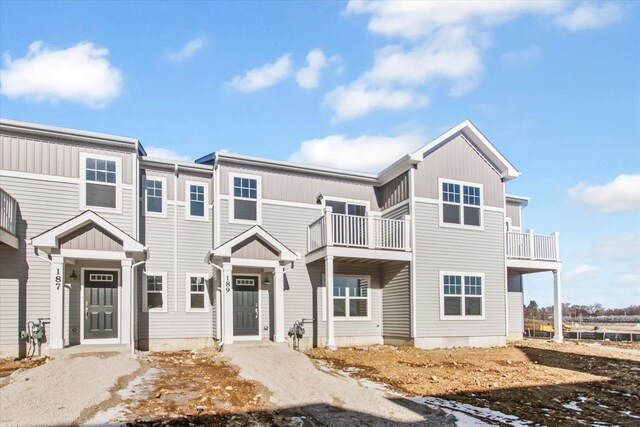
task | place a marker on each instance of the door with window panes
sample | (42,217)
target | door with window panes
(349,226)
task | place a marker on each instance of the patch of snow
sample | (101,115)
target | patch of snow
(573,405)
(631,415)
(465,410)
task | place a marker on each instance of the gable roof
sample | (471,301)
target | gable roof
(51,237)
(226,249)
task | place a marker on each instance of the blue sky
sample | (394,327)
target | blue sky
(554,85)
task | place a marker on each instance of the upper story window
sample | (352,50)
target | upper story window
(101,181)
(351,297)
(197,200)
(462,295)
(245,202)
(461,203)
(348,208)
(155,192)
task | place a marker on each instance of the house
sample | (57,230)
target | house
(113,246)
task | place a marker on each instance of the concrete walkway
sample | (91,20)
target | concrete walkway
(297,385)
(64,389)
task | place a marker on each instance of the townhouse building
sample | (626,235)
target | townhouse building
(112,246)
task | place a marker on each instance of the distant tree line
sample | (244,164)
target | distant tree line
(532,311)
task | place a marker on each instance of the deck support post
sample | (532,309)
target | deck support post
(557,305)
(328,272)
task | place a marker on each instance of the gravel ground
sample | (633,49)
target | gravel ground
(64,389)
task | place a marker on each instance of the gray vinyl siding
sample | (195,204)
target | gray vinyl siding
(55,157)
(458,160)
(298,187)
(91,237)
(516,302)
(458,250)
(393,192)
(397,213)
(396,299)
(513,211)
(194,240)
(42,205)
(254,249)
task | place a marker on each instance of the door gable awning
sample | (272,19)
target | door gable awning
(226,249)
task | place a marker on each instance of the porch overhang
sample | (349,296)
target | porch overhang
(525,266)
(226,249)
(357,253)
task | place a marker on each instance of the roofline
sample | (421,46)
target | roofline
(171,164)
(280,164)
(73,134)
(523,200)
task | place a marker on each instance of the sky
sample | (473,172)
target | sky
(355,85)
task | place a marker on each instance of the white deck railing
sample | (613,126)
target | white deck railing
(533,246)
(372,232)
(8,212)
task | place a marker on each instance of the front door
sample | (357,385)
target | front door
(100,304)
(245,306)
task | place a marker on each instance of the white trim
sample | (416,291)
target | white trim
(116,340)
(494,209)
(216,208)
(187,201)
(523,201)
(348,201)
(462,225)
(462,295)
(83,182)
(259,292)
(292,204)
(346,317)
(427,200)
(207,302)
(232,198)
(101,255)
(163,180)
(225,250)
(413,319)
(396,206)
(39,177)
(259,263)
(165,302)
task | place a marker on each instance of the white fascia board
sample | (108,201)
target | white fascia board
(225,249)
(49,239)
(522,200)
(169,164)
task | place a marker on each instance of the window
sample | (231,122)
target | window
(197,299)
(351,297)
(101,183)
(155,195)
(461,203)
(197,200)
(101,277)
(245,203)
(462,295)
(347,208)
(155,292)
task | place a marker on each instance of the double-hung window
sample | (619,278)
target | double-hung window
(245,203)
(351,297)
(196,200)
(101,181)
(462,295)
(461,203)
(155,189)
(155,295)
(197,295)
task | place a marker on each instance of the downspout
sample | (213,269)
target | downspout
(219,328)
(41,257)
(134,304)
(412,270)
(506,273)
(175,236)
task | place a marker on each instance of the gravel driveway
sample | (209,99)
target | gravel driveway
(63,390)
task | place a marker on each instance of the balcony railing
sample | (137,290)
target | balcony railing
(372,232)
(8,212)
(533,246)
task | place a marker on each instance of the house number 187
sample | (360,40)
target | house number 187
(58,279)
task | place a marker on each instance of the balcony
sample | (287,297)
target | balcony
(8,219)
(353,236)
(531,250)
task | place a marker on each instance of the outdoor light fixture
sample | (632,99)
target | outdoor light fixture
(266,282)
(319,198)
(73,275)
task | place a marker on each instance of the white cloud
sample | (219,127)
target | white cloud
(264,76)
(81,73)
(629,279)
(357,99)
(166,153)
(582,272)
(619,247)
(621,194)
(365,153)
(188,50)
(590,16)
(522,58)
(308,76)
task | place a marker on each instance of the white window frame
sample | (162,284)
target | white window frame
(187,201)
(207,305)
(83,182)
(232,199)
(163,180)
(462,316)
(461,204)
(165,303)
(348,318)
(358,202)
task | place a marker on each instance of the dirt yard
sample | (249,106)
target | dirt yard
(8,366)
(546,383)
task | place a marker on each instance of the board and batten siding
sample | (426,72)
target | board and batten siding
(396,299)
(25,278)
(194,240)
(393,192)
(516,302)
(458,160)
(514,212)
(300,187)
(55,157)
(458,250)
(91,237)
